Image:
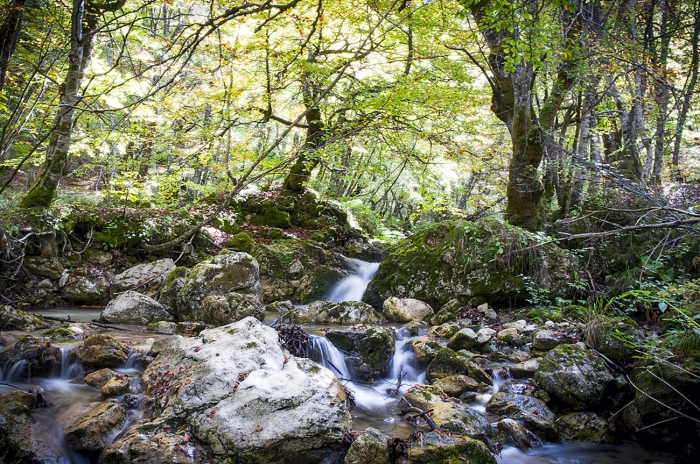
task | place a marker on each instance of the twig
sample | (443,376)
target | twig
(657,423)
(107,326)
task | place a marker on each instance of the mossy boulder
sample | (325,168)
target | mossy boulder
(460,418)
(16,319)
(57,333)
(436,448)
(103,351)
(425,396)
(171,287)
(229,272)
(574,376)
(534,413)
(241,242)
(617,338)
(298,271)
(369,448)
(584,426)
(224,309)
(328,312)
(445,363)
(455,385)
(89,428)
(469,262)
(370,349)
(16,444)
(146,278)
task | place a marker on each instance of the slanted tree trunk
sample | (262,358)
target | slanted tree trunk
(9,35)
(84,20)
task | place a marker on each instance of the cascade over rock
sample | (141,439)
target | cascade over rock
(469,262)
(238,391)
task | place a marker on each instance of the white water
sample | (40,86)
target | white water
(352,287)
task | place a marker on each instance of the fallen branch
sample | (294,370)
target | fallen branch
(419,412)
(107,326)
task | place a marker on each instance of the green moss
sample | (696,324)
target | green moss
(271,217)
(152,327)
(277,234)
(377,348)
(241,242)
(445,363)
(251,345)
(57,332)
(177,273)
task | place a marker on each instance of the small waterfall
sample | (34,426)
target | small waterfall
(352,287)
(326,354)
(130,366)
(14,372)
(69,370)
(404,361)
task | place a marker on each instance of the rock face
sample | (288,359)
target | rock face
(89,429)
(532,411)
(16,319)
(220,276)
(102,351)
(148,277)
(584,426)
(44,266)
(238,391)
(133,307)
(224,309)
(327,312)
(298,271)
(469,262)
(15,427)
(434,448)
(574,376)
(406,310)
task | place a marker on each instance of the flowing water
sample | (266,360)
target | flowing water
(377,405)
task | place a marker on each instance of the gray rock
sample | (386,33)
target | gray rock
(163,327)
(89,428)
(44,266)
(146,278)
(44,284)
(548,339)
(236,389)
(425,348)
(447,313)
(484,335)
(224,274)
(517,435)
(16,319)
(369,448)
(424,396)
(133,307)
(525,369)
(464,339)
(225,309)
(406,310)
(455,385)
(460,418)
(98,257)
(346,312)
(532,411)
(171,287)
(86,290)
(574,376)
(100,377)
(435,447)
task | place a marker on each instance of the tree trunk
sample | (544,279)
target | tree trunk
(9,35)
(82,38)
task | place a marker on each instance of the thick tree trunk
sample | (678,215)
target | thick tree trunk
(9,35)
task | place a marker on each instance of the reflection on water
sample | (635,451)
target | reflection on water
(584,453)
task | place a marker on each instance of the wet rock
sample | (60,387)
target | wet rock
(548,339)
(460,418)
(16,319)
(162,327)
(88,429)
(464,339)
(434,448)
(447,313)
(456,385)
(115,386)
(533,412)
(225,309)
(44,285)
(574,376)
(511,336)
(369,448)
(100,377)
(155,443)
(146,278)
(102,351)
(44,266)
(16,444)
(86,289)
(346,312)
(237,390)
(172,285)
(478,373)
(526,369)
(584,426)
(280,306)
(226,273)
(298,271)
(424,397)
(425,349)
(406,309)
(446,330)
(134,307)
(42,359)
(516,435)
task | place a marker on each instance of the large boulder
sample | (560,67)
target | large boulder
(584,426)
(224,309)
(371,350)
(574,376)
(406,310)
(469,262)
(44,266)
(328,312)
(533,412)
(89,427)
(100,351)
(460,418)
(134,307)
(298,271)
(229,272)
(238,391)
(83,288)
(147,278)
